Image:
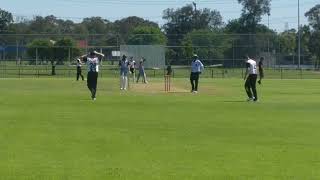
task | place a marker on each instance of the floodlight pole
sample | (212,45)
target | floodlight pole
(269,57)
(268,33)
(299,36)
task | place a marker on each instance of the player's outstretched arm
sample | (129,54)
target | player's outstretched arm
(100,54)
(85,55)
(79,60)
(201,66)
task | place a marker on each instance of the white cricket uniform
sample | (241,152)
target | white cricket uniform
(132,64)
(93,64)
(79,64)
(250,84)
(124,67)
(196,66)
(252,66)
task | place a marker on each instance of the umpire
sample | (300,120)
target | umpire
(196,69)
(92,60)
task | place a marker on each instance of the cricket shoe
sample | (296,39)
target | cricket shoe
(250,99)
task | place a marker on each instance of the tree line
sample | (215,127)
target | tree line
(187,30)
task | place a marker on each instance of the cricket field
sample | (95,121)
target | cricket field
(50,129)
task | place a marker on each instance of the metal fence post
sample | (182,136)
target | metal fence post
(19,71)
(212,73)
(5,68)
(69,55)
(233,54)
(242,73)
(36,56)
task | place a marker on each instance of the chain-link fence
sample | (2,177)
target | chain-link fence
(109,71)
(30,55)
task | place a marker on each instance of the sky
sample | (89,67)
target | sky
(284,13)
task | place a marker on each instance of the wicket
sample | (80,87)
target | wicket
(167,83)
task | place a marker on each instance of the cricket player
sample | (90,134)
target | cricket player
(132,68)
(79,70)
(196,69)
(124,69)
(142,71)
(169,70)
(261,70)
(251,76)
(93,60)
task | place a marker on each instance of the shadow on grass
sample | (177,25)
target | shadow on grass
(235,101)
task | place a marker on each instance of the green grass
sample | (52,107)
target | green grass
(50,129)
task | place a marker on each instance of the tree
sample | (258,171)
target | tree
(288,41)
(66,27)
(5,19)
(96,25)
(40,49)
(314,20)
(126,26)
(305,39)
(252,12)
(147,35)
(314,17)
(314,45)
(262,41)
(48,24)
(64,49)
(186,19)
(207,44)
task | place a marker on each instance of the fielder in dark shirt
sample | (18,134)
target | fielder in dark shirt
(261,70)
(79,70)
